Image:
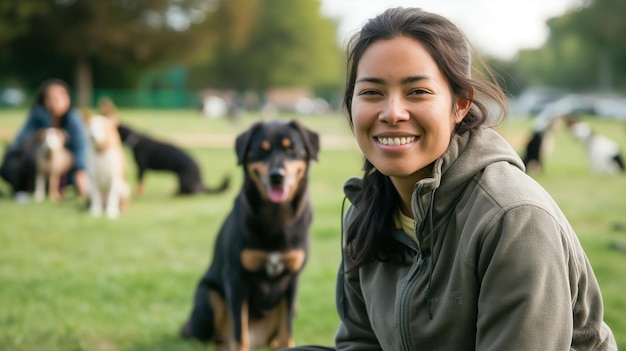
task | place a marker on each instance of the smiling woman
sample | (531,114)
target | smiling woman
(449,244)
(400,108)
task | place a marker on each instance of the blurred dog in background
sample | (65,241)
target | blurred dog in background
(152,154)
(109,191)
(53,161)
(604,154)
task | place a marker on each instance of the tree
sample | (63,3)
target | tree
(600,26)
(584,51)
(265,43)
(240,44)
(41,37)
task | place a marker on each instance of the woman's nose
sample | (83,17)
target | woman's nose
(394,111)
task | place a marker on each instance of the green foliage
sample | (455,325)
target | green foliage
(72,282)
(54,36)
(234,44)
(268,43)
(585,49)
(507,75)
(14,18)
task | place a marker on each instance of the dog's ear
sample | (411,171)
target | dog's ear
(107,107)
(242,141)
(311,138)
(86,114)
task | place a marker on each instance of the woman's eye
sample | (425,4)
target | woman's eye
(369,92)
(418,92)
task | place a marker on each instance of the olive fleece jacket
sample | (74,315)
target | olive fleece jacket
(508,271)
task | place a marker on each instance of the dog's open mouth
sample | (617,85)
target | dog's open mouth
(277,193)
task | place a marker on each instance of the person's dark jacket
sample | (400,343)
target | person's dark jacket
(72,123)
(507,270)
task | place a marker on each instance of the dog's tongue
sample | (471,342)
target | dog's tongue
(277,194)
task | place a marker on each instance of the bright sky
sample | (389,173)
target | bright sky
(496,27)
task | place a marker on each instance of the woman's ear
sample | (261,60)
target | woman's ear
(463,105)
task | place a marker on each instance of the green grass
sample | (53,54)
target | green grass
(72,282)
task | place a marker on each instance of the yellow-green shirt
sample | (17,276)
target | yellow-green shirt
(405,223)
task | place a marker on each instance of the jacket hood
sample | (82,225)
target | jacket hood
(467,156)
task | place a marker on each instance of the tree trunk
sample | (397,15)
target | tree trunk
(605,71)
(84,83)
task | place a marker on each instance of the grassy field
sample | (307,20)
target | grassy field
(72,282)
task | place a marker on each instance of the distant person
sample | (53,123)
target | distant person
(52,108)
(447,243)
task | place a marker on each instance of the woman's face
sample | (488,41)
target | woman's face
(403,113)
(57,100)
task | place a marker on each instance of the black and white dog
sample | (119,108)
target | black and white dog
(604,154)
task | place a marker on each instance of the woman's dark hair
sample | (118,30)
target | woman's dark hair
(43,90)
(40,98)
(368,235)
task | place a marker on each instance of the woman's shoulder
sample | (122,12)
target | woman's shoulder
(74,114)
(73,119)
(509,186)
(39,113)
(505,194)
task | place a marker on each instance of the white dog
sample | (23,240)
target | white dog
(604,154)
(53,161)
(109,190)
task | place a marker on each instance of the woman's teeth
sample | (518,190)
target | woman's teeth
(396,141)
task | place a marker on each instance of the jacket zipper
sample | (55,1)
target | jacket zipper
(404,304)
(405,335)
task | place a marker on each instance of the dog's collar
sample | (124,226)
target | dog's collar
(132,140)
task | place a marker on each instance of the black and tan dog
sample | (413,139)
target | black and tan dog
(247,297)
(153,154)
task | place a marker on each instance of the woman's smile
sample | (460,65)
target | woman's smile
(396,142)
(402,109)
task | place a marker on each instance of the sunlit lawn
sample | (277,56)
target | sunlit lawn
(72,282)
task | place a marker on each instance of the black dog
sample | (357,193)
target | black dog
(160,156)
(19,165)
(532,157)
(246,299)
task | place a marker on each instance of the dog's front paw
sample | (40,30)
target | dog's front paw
(185,331)
(95,211)
(55,197)
(113,212)
(39,196)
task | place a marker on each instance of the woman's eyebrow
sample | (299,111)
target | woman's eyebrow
(413,79)
(406,80)
(370,80)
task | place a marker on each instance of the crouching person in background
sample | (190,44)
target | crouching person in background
(52,108)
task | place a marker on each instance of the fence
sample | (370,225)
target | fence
(130,98)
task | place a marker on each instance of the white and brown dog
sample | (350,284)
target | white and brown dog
(109,190)
(53,162)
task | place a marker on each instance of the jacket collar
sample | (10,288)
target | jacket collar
(466,157)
